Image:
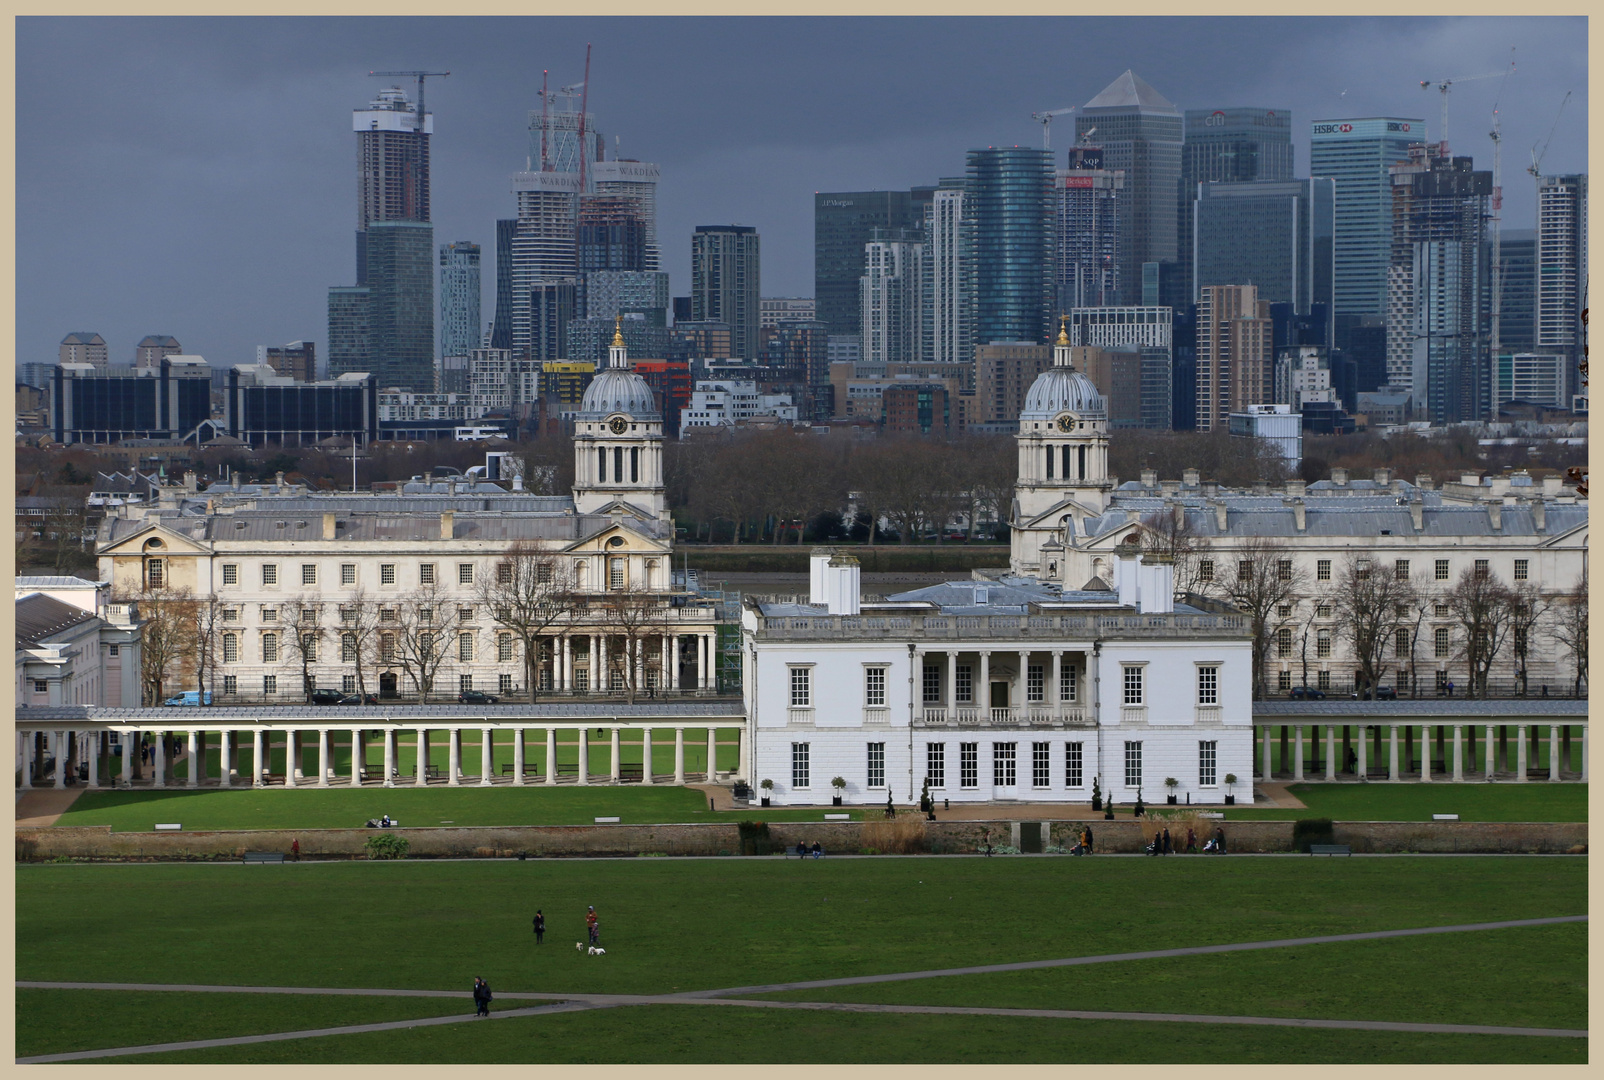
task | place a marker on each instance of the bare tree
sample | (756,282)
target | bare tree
(1266,577)
(633,614)
(1570,628)
(528,592)
(167,637)
(1480,603)
(991,470)
(1371,602)
(304,637)
(359,635)
(1422,605)
(64,524)
(1527,608)
(1170,532)
(426,626)
(208,615)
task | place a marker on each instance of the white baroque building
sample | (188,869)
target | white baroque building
(1018,689)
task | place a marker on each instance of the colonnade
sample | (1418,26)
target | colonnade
(566,665)
(126,764)
(1054,676)
(1446,751)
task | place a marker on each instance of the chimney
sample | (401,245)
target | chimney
(1299,513)
(1190,477)
(1383,477)
(1339,477)
(1470,479)
(1261,487)
(328,526)
(1211,489)
(517,481)
(1180,515)
(279,481)
(1423,481)
(191,480)
(818,565)
(1540,514)
(1127,570)
(1417,513)
(1495,513)
(447,523)
(1149,478)
(1295,489)
(1170,488)
(842,580)
(1219,513)
(1553,485)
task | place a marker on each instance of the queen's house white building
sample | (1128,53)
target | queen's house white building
(1023,688)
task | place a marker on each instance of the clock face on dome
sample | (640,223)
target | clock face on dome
(618,425)
(1066,423)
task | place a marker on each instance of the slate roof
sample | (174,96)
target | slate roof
(1446,707)
(37,582)
(40,617)
(1344,515)
(182,716)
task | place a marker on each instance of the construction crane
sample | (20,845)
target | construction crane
(1046,121)
(1538,155)
(1497,204)
(420,76)
(1443,86)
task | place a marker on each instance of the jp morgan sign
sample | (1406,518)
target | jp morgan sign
(839,202)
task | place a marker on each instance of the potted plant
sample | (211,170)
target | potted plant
(840,785)
(1171,783)
(767,786)
(1230,782)
(1108,810)
(925,805)
(1137,812)
(1097,795)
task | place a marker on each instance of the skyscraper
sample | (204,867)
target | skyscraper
(385,325)
(725,283)
(1275,234)
(1435,343)
(1356,154)
(1238,146)
(1088,230)
(890,293)
(501,324)
(1562,270)
(543,242)
(1009,191)
(637,180)
(459,298)
(1517,316)
(843,221)
(1140,133)
(1234,358)
(948,316)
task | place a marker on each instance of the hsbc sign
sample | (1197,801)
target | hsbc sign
(1332,129)
(1368,128)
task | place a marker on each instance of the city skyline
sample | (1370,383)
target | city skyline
(106,197)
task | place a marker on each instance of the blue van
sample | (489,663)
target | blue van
(189,697)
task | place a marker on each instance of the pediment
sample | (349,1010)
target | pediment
(173,543)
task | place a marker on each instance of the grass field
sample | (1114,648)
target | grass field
(702,924)
(1418,802)
(337,808)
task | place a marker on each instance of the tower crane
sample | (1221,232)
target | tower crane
(1443,86)
(1538,155)
(420,76)
(1046,121)
(1497,203)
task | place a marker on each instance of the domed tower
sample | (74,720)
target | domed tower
(618,440)
(1063,464)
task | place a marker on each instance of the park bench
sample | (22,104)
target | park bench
(790,853)
(529,769)
(262,857)
(629,774)
(431,772)
(567,770)
(1330,849)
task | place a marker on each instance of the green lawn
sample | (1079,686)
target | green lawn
(706,923)
(1525,977)
(1418,802)
(669,1034)
(333,808)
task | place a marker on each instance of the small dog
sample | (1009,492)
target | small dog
(597,951)
(579,945)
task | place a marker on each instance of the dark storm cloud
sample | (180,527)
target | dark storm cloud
(196,176)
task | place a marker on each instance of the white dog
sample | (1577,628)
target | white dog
(594,951)
(579,945)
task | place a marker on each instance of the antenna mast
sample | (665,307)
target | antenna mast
(545,102)
(584,98)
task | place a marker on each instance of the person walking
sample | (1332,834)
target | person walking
(1219,841)
(1089,848)
(593,926)
(1169,848)
(295,849)
(1191,842)
(481,997)
(540,927)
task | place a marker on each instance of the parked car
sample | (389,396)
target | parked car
(1381,693)
(360,699)
(476,697)
(1307,693)
(327,697)
(189,697)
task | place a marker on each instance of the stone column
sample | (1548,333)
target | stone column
(225,758)
(561,655)
(1055,693)
(584,755)
(1459,754)
(61,759)
(159,770)
(129,750)
(1362,765)
(290,770)
(951,680)
(1392,754)
(646,754)
(518,756)
(421,766)
(1520,753)
(679,754)
(1425,753)
(193,779)
(1492,753)
(551,756)
(356,758)
(613,732)
(671,661)
(256,757)
(1331,753)
(322,757)
(1553,753)
(1297,753)
(487,755)
(983,691)
(712,753)
(1023,683)
(1268,746)
(1584,753)
(389,757)
(454,756)
(94,758)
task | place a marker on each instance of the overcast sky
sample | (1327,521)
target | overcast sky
(196,177)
